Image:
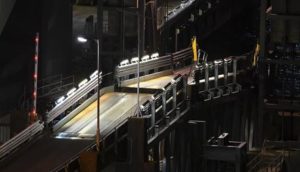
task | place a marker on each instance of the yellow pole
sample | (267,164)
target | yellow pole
(256,53)
(194,47)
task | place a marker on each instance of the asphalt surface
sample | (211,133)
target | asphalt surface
(45,155)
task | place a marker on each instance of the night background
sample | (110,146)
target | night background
(236,36)
(236,109)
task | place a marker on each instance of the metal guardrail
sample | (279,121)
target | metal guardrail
(123,72)
(162,103)
(208,76)
(169,96)
(20,138)
(154,65)
(163,107)
(70,100)
(38,126)
(182,55)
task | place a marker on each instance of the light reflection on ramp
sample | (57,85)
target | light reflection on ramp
(114,108)
(156,83)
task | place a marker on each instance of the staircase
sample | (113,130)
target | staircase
(6,7)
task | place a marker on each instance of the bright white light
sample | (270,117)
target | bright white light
(154,55)
(60,100)
(82,83)
(81,39)
(134,60)
(218,61)
(145,58)
(124,62)
(94,74)
(228,59)
(71,92)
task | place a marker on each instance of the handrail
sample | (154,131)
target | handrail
(122,122)
(80,92)
(103,137)
(20,138)
(123,72)
(70,100)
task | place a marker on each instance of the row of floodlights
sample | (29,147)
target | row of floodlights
(135,60)
(80,85)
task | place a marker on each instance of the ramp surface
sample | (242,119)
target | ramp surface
(114,108)
(49,152)
(46,154)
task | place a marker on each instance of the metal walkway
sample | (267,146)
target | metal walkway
(76,135)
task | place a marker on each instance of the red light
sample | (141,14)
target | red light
(35,76)
(34,94)
(36,40)
(33,112)
(35,58)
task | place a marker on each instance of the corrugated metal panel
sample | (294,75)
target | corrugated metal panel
(6,7)
(4,128)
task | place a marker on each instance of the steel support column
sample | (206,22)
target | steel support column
(259,131)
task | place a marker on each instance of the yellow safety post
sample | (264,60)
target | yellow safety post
(194,47)
(255,56)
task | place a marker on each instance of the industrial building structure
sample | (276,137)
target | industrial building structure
(150,85)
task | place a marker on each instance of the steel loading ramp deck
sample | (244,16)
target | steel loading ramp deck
(114,108)
(156,83)
(45,154)
(161,81)
(48,153)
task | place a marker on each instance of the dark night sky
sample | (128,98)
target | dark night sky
(17,49)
